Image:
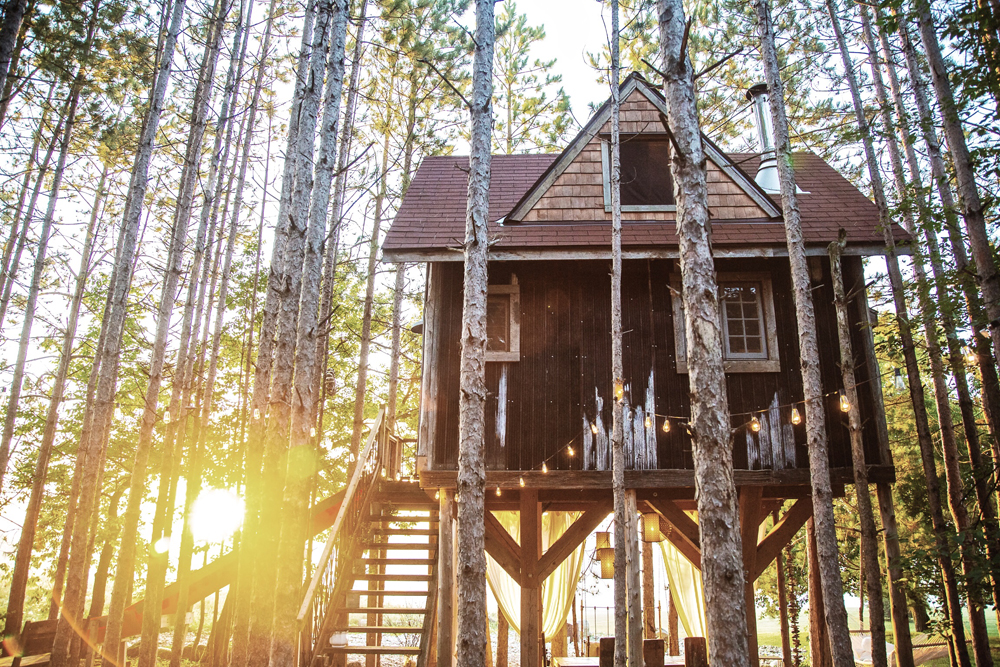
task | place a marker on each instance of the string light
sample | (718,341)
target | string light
(845,405)
(970,357)
(521,482)
(498,491)
(796,417)
(570,451)
(619,390)
(649,421)
(666,426)
(755,424)
(437,495)
(593,428)
(545,468)
(166,416)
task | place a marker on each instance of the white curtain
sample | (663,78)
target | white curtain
(686,590)
(558,590)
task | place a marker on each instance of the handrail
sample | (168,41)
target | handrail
(345,506)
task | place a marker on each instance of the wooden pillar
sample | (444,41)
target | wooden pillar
(652,653)
(819,639)
(786,643)
(674,640)
(750,516)
(503,638)
(446,579)
(648,594)
(695,652)
(531,589)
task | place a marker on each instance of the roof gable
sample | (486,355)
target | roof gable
(571,190)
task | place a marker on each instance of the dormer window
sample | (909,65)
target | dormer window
(646,182)
(749,334)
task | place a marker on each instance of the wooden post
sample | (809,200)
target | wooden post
(674,640)
(652,652)
(695,652)
(786,643)
(446,578)
(648,594)
(607,655)
(819,639)
(531,590)
(503,638)
(750,516)
(576,629)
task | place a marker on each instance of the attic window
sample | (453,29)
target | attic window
(646,182)
(749,332)
(503,323)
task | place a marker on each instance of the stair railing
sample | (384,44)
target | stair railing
(335,561)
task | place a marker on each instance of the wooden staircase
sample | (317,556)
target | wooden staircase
(396,579)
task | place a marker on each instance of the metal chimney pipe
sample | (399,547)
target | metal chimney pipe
(767,173)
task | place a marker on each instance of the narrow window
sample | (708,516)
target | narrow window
(503,323)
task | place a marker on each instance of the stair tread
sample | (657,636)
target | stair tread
(400,546)
(405,531)
(392,577)
(384,610)
(376,650)
(399,561)
(384,629)
(366,592)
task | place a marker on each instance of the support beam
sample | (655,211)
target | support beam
(446,579)
(781,534)
(573,538)
(648,593)
(681,530)
(750,518)
(502,547)
(531,590)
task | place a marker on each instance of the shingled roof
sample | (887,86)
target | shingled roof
(560,213)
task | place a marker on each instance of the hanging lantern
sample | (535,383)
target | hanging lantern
(607,558)
(898,380)
(845,405)
(256,414)
(796,417)
(166,416)
(651,527)
(755,424)
(603,540)
(970,356)
(666,425)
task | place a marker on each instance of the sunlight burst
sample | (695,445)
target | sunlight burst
(217,514)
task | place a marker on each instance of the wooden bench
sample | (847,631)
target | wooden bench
(36,640)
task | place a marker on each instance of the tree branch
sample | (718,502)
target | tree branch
(447,82)
(718,64)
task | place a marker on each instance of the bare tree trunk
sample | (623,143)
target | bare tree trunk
(295,526)
(866,516)
(25,546)
(13,14)
(965,174)
(635,657)
(812,384)
(955,490)
(718,517)
(471,480)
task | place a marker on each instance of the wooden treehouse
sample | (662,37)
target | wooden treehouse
(550,402)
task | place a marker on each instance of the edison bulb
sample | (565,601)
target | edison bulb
(666,426)
(796,417)
(522,481)
(498,491)
(545,468)
(755,424)
(570,451)
(845,405)
(593,428)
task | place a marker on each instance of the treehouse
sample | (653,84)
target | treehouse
(548,370)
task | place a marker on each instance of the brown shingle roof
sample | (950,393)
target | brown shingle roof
(431,218)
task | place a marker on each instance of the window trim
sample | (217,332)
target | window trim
(513,291)
(772,364)
(606,181)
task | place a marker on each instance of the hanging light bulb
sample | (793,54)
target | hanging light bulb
(845,405)
(256,414)
(619,390)
(755,424)
(971,358)
(603,540)
(521,481)
(498,491)
(570,451)
(898,380)
(437,495)
(796,417)
(166,416)
(666,425)
(545,468)
(312,432)
(593,428)
(649,421)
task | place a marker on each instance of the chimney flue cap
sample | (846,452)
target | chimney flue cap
(755,90)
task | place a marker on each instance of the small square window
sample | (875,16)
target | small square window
(749,333)
(503,323)
(646,183)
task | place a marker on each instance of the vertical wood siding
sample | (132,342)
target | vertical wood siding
(562,384)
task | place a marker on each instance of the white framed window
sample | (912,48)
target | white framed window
(503,322)
(645,171)
(749,331)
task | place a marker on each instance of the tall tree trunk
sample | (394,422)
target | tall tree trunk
(622,644)
(718,517)
(812,384)
(949,446)
(471,480)
(13,14)
(295,525)
(25,546)
(965,173)
(870,571)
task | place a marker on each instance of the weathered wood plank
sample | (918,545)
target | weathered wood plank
(780,535)
(502,547)
(572,538)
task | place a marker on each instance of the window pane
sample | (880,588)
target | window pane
(743,314)
(498,323)
(646,172)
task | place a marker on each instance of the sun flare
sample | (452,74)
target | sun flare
(217,514)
